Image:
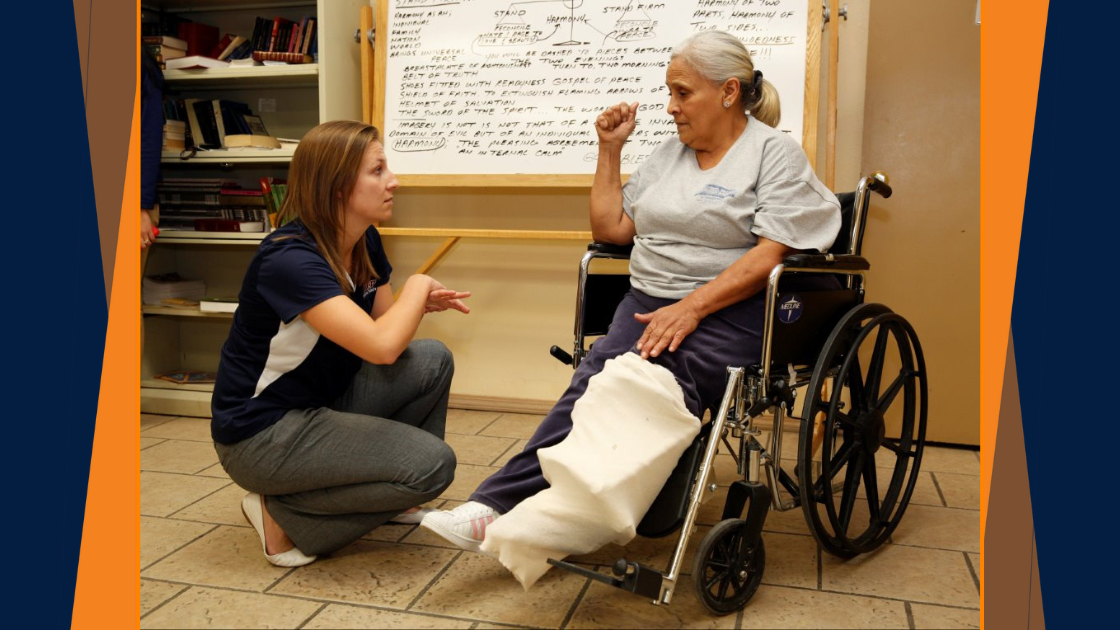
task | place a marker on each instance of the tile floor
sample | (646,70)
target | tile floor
(201,564)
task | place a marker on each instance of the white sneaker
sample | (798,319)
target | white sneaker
(464,527)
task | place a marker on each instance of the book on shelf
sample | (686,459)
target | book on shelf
(218,304)
(244,62)
(186,377)
(254,125)
(227,225)
(208,125)
(195,61)
(163,53)
(200,38)
(170,285)
(233,44)
(243,50)
(166,41)
(284,57)
(308,36)
(232,115)
(278,24)
(185,304)
(251,141)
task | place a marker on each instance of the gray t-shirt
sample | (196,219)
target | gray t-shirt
(692,224)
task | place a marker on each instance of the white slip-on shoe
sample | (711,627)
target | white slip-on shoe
(254,513)
(411,518)
(464,527)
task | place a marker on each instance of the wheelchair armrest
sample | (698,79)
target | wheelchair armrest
(839,262)
(609,249)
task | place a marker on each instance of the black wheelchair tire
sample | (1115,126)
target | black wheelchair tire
(860,428)
(722,564)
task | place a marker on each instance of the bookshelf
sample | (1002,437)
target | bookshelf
(291,99)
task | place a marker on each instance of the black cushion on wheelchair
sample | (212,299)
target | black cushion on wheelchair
(845,262)
(844,238)
(602,293)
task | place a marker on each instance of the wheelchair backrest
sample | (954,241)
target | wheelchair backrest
(843,241)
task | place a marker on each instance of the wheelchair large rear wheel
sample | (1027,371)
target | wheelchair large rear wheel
(727,568)
(866,401)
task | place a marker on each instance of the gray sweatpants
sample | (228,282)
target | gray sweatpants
(332,474)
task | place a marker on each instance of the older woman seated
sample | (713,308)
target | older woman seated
(709,213)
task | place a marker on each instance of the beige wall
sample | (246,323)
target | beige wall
(921,126)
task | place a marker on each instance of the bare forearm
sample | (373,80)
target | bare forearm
(381,340)
(606,196)
(743,279)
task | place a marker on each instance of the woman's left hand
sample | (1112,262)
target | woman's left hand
(442,299)
(666,328)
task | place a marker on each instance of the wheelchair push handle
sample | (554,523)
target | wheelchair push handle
(880,184)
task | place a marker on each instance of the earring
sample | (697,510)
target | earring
(726,104)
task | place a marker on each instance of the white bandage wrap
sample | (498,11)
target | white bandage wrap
(629,429)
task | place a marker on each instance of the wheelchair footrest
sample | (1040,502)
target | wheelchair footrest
(636,578)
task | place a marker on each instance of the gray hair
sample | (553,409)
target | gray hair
(719,56)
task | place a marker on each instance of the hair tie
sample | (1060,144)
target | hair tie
(757,85)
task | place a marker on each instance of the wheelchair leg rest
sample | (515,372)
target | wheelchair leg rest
(755,497)
(633,577)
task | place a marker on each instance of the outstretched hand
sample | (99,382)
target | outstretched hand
(443,299)
(666,328)
(616,123)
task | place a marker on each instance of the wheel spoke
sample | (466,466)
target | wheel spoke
(896,447)
(871,487)
(888,397)
(841,458)
(875,368)
(715,578)
(845,419)
(851,489)
(856,385)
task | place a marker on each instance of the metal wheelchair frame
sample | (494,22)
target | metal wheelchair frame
(732,556)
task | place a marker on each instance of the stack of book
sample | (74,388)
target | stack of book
(284,40)
(210,205)
(174,135)
(165,47)
(211,123)
(155,289)
(274,191)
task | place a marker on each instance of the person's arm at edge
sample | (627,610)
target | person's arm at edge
(609,224)
(378,340)
(741,280)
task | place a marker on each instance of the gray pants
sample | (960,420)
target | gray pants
(332,474)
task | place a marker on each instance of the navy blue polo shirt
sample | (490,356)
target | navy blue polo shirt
(273,361)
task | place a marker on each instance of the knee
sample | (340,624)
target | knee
(440,466)
(436,356)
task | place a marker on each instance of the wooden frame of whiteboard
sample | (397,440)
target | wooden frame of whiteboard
(377,115)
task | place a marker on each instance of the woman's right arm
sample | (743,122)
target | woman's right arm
(382,340)
(609,224)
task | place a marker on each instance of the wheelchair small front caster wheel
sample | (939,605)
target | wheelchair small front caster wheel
(727,568)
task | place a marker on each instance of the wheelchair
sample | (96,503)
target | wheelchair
(861,423)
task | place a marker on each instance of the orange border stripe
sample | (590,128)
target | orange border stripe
(107,589)
(1011,63)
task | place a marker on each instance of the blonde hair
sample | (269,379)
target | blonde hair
(320,179)
(719,56)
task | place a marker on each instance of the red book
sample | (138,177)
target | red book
(201,38)
(220,47)
(274,41)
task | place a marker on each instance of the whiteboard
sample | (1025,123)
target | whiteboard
(514,87)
